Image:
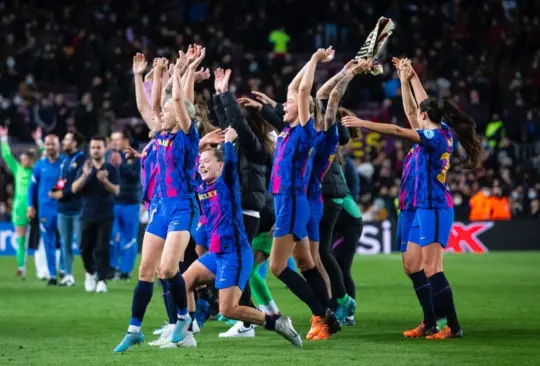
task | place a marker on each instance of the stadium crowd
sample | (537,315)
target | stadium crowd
(67,65)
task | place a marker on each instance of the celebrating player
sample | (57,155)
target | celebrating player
(432,201)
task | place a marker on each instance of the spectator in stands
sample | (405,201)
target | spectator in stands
(481,205)
(500,206)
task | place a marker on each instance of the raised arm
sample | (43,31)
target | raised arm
(230,167)
(325,90)
(383,128)
(139,66)
(416,84)
(189,82)
(339,90)
(11,163)
(182,115)
(307,82)
(292,90)
(160,66)
(410,107)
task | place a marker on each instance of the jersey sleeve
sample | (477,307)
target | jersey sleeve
(11,162)
(432,139)
(32,188)
(230,168)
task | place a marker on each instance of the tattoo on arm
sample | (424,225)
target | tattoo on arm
(324,91)
(335,96)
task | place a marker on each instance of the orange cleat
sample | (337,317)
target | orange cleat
(446,333)
(323,334)
(420,331)
(317,323)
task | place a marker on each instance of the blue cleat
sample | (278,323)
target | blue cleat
(346,310)
(203,312)
(180,329)
(131,339)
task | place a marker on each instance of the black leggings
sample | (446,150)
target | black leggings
(326,230)
(346,237)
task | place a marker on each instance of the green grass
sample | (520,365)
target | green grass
(497,297)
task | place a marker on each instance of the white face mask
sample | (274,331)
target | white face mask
(458,200)
(515,195)
(487,193)
(532,195)
(273,136)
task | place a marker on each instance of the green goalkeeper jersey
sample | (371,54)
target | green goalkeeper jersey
(21,174)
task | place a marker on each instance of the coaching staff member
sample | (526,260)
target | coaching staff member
(98,184)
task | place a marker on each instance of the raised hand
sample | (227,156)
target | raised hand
(161,64)
(3,131)
(230,135)
(225,80)
(362,66)
(350,121)
(349,65)
(200,52)
(37,134)
(131,153)
(250,103)
(215,137)
(263,98)
(139,64)
(202,74)
(328,54)
(218,75)
(190,54)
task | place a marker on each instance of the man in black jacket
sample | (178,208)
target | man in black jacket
(124,246)
(69,204)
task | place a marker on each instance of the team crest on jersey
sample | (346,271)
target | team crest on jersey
(429,134)
(74,166)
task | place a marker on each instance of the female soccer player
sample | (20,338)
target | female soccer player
(229,259)
(289,185)
(176,212)
(432,202)
(22,172)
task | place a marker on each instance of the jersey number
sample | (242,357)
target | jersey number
(441,177)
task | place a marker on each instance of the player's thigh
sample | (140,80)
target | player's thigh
(152,249)
(282,249)
(173,251)
(302,255)
(412,258)
(197,274)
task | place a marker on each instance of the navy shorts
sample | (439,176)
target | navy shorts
(432,226)
(173,214)
(315,215)
(292,215)
(404,227)
(230,268)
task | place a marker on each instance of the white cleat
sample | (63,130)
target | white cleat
(89,282)
(101,287)
(165,336)
(239,330)
(68,281)
(160,330)
(195,327)
(188,342)
(285,328)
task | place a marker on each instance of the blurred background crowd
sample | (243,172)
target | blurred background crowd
(66,65)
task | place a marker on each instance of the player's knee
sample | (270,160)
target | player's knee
(432,267)
(167,272)
(146,273)
(227,310)
(277,267)
(412,266)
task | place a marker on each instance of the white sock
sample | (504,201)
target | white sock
(134,329)
(273,308)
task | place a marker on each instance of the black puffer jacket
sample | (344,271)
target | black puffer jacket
(252,156)
(334,184)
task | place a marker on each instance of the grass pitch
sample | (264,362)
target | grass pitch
(497,298)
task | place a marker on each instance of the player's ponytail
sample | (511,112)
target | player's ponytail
(464,128)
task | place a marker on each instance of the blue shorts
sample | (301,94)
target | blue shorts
(292,215)
(432,226)
(230,268)
(315,216)
(173,214)
(201,236)
(404,227)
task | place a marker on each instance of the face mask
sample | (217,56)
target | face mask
(17,100)
(487,193)
(532,195)
(5,104)
(458,200)
(29,80)
(10,62)
(515,195)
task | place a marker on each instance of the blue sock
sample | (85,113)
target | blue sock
(292,264)
(141,298)
(170,308)
(177,286)
(422,287)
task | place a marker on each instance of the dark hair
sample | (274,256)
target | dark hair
(78,138)
(31,154)
(218,152)
(262,130)
(343,112)
(202,116)
(463,125)
(99,138)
